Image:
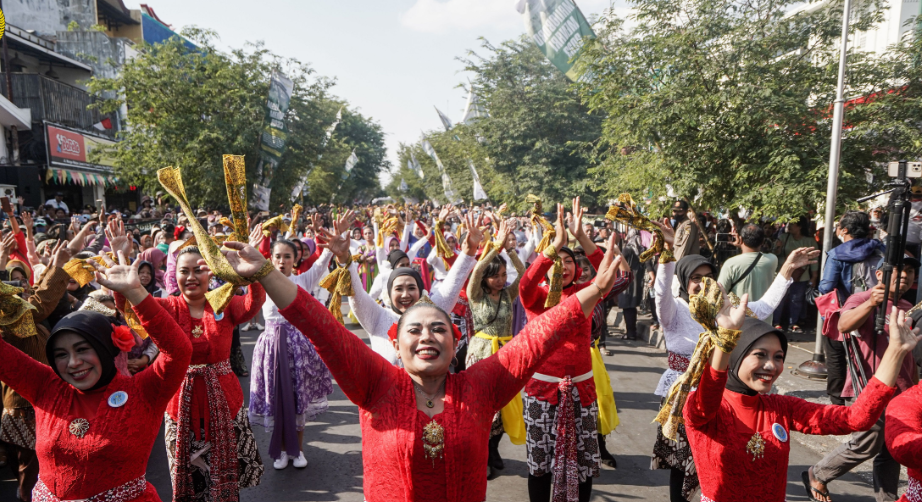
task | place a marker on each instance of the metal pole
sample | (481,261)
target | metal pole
(14,131)
(817,366)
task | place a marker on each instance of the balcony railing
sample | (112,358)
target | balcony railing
(56,102)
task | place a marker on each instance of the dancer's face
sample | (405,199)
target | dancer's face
(404,292)
(283,258)
(191,278)
(497,282)
(763,364)
(76,361)
(426,342)
(694,280)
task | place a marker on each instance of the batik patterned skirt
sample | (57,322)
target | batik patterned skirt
(249,464)
(309,376)
(541,429)
(17,427)
(669,454)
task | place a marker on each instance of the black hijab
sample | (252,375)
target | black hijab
(577,272)
(395,256)
(753,330)
(96,329)
(684,269)
(400,272)
(152,286)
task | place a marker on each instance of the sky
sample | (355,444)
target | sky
(393,60)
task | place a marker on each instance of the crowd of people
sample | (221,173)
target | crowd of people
(482,323)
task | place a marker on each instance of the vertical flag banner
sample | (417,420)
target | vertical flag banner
(479,193)
(302,183)
(414,166)
(444,118)
(431,152)
(403,185)
(350,163)
(473,110)
(272,140)
(557,27)
(446,180)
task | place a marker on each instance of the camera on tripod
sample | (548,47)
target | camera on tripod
(913,169)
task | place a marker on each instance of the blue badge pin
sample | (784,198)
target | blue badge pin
(118,399)
(218,317)
(780,432)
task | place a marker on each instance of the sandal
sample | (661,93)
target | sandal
(805,476)
(605,352)
(796,329)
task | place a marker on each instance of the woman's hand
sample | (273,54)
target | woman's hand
(61,254)
(444,212)
(27,221)
(731,317)
(560,239)
(474,235)
(336,243)
(245,259)
(575,220)
(121,277)
(799,258)
(608,270)
(905,338)
(256,236)
(7,245)
(118,240)
(502,234)
(668,232)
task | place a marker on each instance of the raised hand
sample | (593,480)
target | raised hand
(608,270)
(668,231)
(502,233)
(245,259)
(560,239)
(344,223)
(61,254)
(118,239)
(256,236)
(27,220)
(336,243)
(474,234)
(730,317)
(444,212)
(121,277)
(316,222)
(575,219)
(906,337)
(7,245)
(800,257)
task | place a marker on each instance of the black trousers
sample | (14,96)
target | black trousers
(836,369)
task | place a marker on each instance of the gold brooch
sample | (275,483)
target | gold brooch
(756,446)
(197,331)
(79,427)
(433,440)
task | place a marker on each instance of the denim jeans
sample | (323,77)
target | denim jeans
(788,313)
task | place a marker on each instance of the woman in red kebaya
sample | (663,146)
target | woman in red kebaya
(566,377)
(206,419)
(903,432)
(425,431)
(94,425)
(740,434)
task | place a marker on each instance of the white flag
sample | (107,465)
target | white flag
(473,110)
(479,193)
(449,191)
(445,120)
(403,185)
(329,133)
(414,166)
(427,147)
(350,163)
(260,198)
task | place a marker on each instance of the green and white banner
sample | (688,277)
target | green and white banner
(272,139)
(557,27)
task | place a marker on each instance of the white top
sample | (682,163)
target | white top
(57,205)
(379,286)
(681,332)
(377,320)
(525,253)
(307,281)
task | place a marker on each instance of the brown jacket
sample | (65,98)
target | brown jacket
(49,289)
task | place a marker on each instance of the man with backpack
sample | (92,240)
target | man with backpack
(850,268)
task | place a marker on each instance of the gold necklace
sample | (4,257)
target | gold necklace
(429,399)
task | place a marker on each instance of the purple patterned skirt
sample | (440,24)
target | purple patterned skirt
(289,385)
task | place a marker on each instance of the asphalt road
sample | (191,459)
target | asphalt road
(333,449)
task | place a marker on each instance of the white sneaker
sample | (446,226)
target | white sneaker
(258,326)
(300,462)
(246,327)
(282,462)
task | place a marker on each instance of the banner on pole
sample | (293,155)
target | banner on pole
(444,118)
(479,193)
(273,138)
(350,163)
(557,27)
(473,110)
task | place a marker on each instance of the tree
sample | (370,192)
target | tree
(187,108)
(734,98)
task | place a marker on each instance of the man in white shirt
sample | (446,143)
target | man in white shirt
(58,202)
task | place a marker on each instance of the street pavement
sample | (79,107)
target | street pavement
(333,448)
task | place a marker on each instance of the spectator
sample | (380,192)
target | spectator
(857,253)
(686,232)
(788,313)
(58,203)
(858,314)
(752,271)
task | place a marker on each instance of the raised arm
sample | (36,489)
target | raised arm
(309,280)
(801,257)
(25,375)
(666,304)
(373,317)
(474,291)
(830,419)
(904,428)
(244,308)
(513,289)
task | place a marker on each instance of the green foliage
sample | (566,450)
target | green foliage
(734,98)
(73,26)
(533,140)
(189,108)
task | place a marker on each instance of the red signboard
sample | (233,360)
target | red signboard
(66,147)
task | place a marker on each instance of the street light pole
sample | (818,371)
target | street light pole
(816,367)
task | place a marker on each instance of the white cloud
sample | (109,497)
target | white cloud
(437,16)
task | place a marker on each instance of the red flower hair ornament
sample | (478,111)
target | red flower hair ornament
(123,338)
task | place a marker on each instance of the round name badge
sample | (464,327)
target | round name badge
(780,432)
(218,317)
(118,399)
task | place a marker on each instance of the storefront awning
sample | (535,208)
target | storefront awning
(12,115)
(61,176)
